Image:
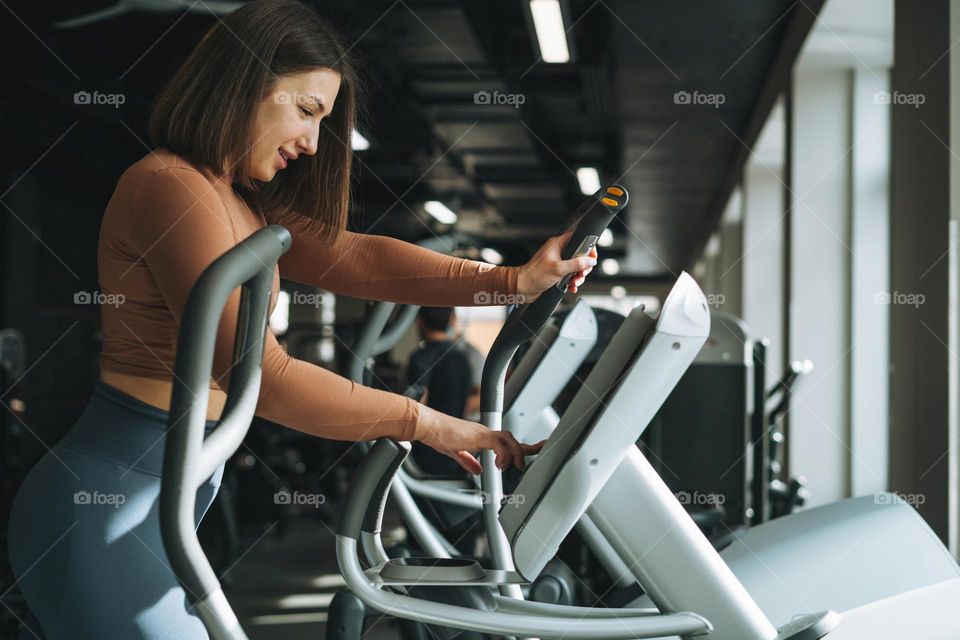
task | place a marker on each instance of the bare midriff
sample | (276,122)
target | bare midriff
(156,391)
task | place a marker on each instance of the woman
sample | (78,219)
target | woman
(247,133)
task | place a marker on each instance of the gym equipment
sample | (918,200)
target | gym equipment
(552,360)
(597,436)
(685,573)
(185,453)
(825,552)
(557,488)
(188,458)
(698,440)
(784,494)
(531,388)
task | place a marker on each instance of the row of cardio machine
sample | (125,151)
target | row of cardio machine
(854,569)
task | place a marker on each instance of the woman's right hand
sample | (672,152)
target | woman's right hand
(458,438)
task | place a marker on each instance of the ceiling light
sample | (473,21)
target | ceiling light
(551,36)
(610,267)
(440,211)
(606,238)
(491,255)
(589,179)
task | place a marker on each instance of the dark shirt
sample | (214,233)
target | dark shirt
(445,371)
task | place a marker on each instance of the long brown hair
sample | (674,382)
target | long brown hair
(207,111)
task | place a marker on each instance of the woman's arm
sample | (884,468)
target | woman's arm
(381,268)
(181,226)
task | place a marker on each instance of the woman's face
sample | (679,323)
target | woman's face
(288,120)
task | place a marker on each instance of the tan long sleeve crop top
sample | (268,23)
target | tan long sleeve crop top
(168,220)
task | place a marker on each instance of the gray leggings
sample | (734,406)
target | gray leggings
(84,533)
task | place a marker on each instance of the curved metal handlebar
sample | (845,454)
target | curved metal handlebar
(588,221)
(376,336)
(367,495)
(188,459)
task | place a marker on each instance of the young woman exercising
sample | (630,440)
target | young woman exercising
(254,128)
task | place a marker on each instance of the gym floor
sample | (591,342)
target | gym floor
(282,586)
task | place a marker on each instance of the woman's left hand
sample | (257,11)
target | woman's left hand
(546,268)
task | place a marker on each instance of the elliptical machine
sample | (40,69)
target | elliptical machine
(250,265)
(577,461)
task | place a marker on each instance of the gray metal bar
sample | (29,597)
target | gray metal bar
(580,624)
(616,568)
(366,341)
(395,330)
(524,322)
(187,458)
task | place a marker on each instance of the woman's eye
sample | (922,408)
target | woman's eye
(306,111)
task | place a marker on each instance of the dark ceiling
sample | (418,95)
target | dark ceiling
(508,171)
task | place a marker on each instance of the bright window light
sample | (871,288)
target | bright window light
(548,23)
(440,211)
(606,238)
(358,142)
(589,179)
(491,255)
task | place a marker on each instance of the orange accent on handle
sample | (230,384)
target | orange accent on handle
(610,202)
(615,191)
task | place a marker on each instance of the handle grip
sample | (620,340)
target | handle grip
(367,495)
(588,221)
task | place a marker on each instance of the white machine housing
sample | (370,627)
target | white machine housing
(552,360)
(603,423)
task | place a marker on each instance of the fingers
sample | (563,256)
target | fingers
(575,282)
(580,276)
(507,450)
(575,265)
(469,463)
(531,449)
(512,453)
(501,450)
(506,454)
(516,451)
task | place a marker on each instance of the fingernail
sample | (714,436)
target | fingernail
(592,262)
